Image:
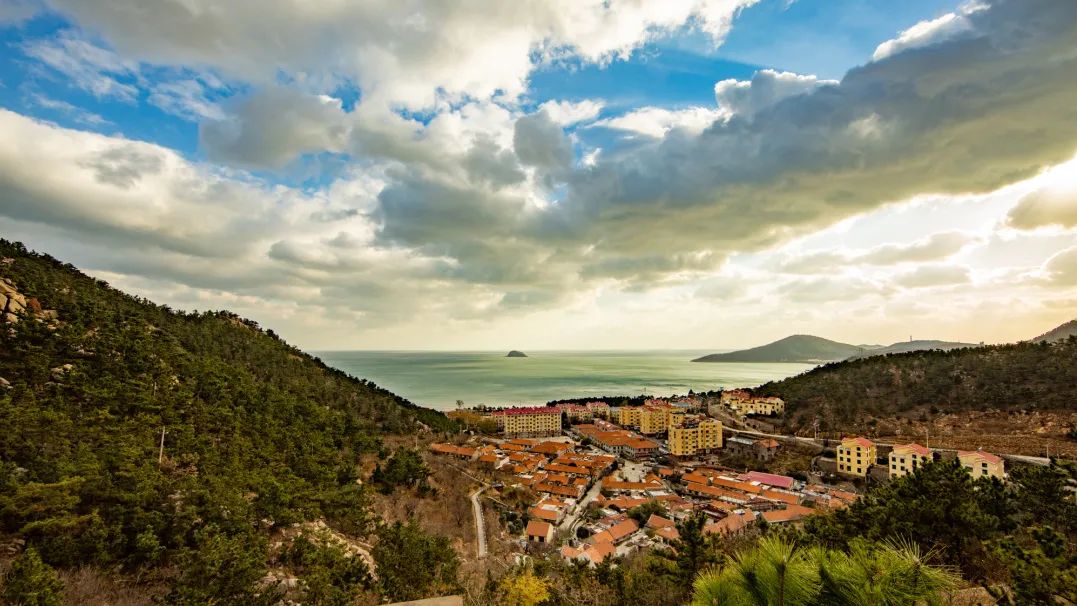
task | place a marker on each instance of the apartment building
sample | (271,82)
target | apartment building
(532,422)
(855,456)
(695,435)
(907,458)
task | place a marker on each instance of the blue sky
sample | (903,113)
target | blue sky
(821,37)
(555,173)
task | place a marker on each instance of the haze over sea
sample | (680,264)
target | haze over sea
(439,378)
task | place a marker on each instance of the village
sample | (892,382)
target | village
(604,481)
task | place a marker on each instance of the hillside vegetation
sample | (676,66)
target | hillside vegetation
(1020,376)
(257,434)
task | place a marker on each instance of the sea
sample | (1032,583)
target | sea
(437,379)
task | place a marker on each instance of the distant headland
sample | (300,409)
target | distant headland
(516,354)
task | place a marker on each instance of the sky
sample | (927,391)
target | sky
(555,174)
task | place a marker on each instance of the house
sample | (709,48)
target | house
(539,532)
(982,464)
(593,554)
(734,522)
(791,513)
(907,458)
(459,452)
(855,456)
(656,521)
(766,449)
(770,479)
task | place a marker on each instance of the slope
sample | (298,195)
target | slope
(795,348)
(1020,376)
(907,346)
(257,434)
(1058,333)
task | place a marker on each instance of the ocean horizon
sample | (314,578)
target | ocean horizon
(438,379)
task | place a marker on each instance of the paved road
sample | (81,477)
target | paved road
(1012,457)
(480,522)
(570,521)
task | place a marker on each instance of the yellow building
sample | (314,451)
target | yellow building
(855,456)
(653,419)
(538,421)
(762,406)
(907,458)
(628,416)
(982,464)
(695,435)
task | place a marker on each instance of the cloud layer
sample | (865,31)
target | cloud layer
(453,197)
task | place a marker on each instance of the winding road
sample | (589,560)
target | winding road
(480,522)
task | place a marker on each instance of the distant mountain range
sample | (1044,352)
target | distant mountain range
(907,346)
(810,349)
(797,348)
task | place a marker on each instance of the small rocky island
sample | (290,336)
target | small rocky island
(516,354)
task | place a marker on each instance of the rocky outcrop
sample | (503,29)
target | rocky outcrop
(14,304)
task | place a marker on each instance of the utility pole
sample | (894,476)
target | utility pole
(161,452)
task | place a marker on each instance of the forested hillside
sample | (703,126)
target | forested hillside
(1021,376)
(257,434)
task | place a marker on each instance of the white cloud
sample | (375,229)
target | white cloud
(655,122)
(1061,268)
(186,98)
(397,52)
(934,275)
(86,65)
(78,114)
(1054,203)
(767,87)
(567,113)
(927,33)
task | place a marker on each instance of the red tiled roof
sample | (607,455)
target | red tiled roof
(990,458)
(736,485)
(770,479)
(789,514)
(668,533)
(784,497)
(623,530)
(548,515)
(863,442)
(912,447)
(657,521)
(732,523)
(551,447)
(533,410)
(453,450)
(538,528)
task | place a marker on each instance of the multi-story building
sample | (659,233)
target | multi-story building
(907,458)
(982,464)
(577,413)
(855,456)
(747,404)
(599,409)
(628,416)
(770,406)
(533,422)
(654,419)
(695,435)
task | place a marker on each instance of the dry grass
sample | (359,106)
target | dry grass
(90,586)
